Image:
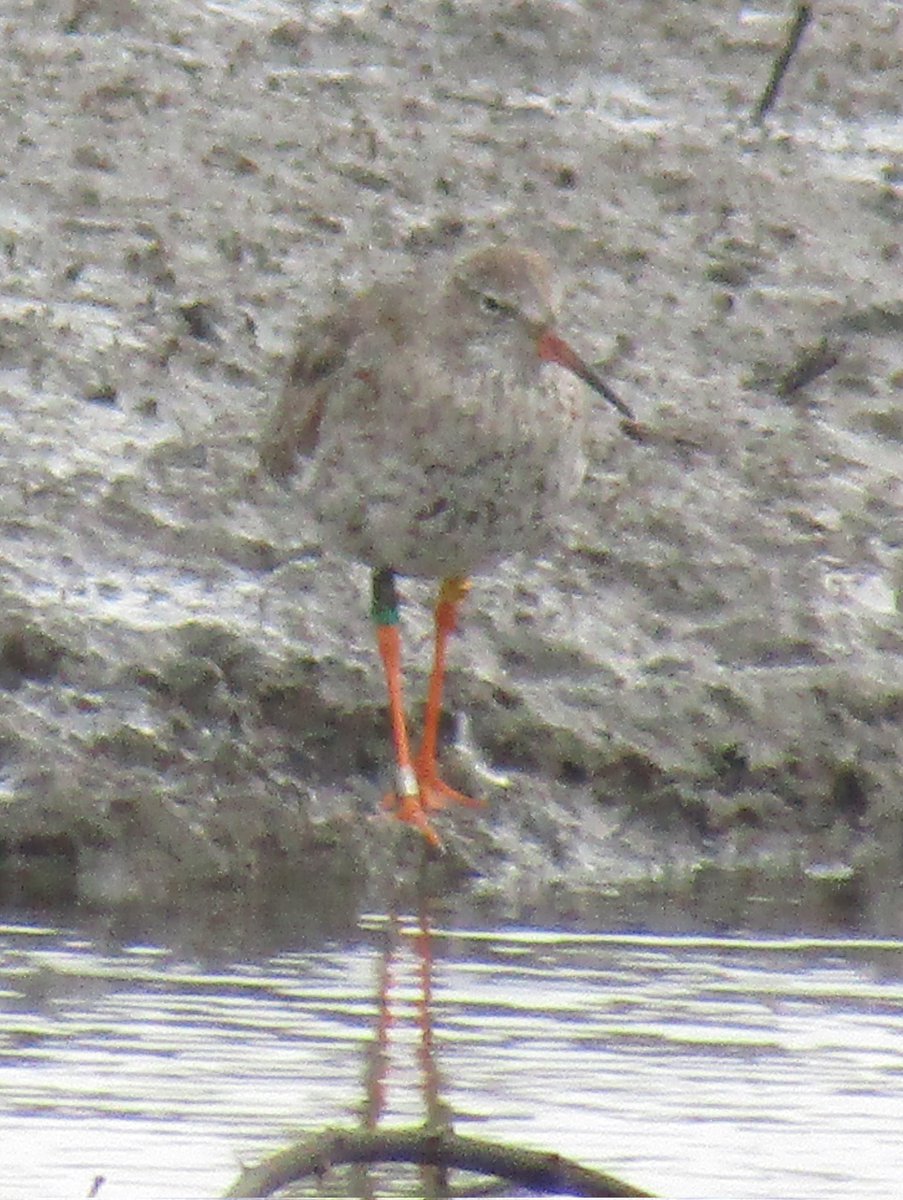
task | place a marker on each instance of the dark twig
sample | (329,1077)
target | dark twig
(812,362)
(316,1154)
(782,62)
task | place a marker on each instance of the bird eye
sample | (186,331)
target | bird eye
(489,304)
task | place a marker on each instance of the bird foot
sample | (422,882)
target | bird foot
(433,793)
(410,810)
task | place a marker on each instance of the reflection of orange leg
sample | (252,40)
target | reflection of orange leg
(431,1080)
(377,1056)
(406,801)
(434,793)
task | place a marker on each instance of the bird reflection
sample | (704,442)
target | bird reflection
(404,943)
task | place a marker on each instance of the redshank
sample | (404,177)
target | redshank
(429,436)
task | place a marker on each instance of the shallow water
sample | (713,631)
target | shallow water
(688,1066)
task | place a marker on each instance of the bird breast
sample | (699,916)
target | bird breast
(439,479)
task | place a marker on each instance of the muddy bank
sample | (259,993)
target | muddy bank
(696,694)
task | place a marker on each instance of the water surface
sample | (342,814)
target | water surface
(689,1066)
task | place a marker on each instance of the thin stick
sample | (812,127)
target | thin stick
(782,62)
(317,1153)
(812,363)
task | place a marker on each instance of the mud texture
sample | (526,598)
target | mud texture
(697,696)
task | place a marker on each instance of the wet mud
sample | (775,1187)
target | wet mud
(695,695)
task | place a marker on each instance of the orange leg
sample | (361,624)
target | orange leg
(406,801)
(434,793)
(418,787)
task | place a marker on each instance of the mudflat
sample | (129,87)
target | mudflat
(695,694)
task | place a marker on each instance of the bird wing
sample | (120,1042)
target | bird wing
(294,425)
(363,342)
